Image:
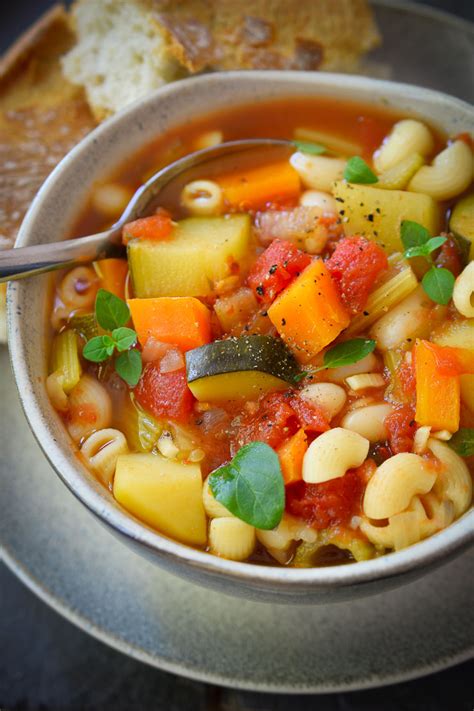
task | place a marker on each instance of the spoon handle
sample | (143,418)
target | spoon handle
(29,261)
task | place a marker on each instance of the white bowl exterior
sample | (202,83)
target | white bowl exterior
(51,217)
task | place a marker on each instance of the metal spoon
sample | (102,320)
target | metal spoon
(29,261)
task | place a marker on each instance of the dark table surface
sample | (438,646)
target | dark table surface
(47,663)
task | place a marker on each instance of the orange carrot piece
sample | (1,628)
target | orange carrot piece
(438,400)
(114,274)
(291,455)
(255,187)
(181,320)
(155,227)
(309,313)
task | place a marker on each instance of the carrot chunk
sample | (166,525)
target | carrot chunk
(309,314)
(114,273)
(437,393)
(256,187)
(291,455)
(182,320)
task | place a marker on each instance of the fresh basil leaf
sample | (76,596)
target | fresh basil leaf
(315,149)
(438,284)
(424,250)
(129,366)
(111,312)
(357,171)
(347,353)
(251,486)
(98,349)
(463,442)
(124,338)
(413,234)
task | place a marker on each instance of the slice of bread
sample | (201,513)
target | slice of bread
(122,53)
(126,49)
(42,116)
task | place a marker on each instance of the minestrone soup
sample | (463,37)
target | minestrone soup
(282,369)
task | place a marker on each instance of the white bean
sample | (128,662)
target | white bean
(369,421)
(330,397)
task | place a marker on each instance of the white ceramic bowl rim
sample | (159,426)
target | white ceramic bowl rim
(454,539)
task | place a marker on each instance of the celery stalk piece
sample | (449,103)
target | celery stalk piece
(338,144)
(65,359)
(384,298)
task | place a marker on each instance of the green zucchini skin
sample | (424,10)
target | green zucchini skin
(263,353)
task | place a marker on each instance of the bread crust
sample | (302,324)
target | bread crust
(267,34)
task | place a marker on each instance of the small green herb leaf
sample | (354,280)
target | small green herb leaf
(347,353)
(463,442)
(300,376)
(98,349)
(129,366)
(111,312)
(124,338)
(413,234)
(438,284)
(109,344)
(357,171)
(424,250)
(309,147)
(251,486)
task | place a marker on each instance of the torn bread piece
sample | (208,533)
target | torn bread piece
(126,49)
(42,116)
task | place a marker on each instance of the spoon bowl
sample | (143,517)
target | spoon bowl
(28,261)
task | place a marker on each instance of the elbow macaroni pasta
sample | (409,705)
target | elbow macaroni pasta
(90,408)
(231,538)
(332,454)
(407,137)
(202,197)
(449,175)
(454,482)
(101,451)
(318,172)
(78,288)
(463,293)
(394,484)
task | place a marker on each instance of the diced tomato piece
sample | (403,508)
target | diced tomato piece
(164,394)
(275,268)
(401,428)
(451,361)
(273,422)
(354,266)
(449,257)
(155,227)
(330,503)
(310,417)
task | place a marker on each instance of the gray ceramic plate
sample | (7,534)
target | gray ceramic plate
(67,558)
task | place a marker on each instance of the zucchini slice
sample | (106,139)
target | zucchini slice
(240,368)
(461,225)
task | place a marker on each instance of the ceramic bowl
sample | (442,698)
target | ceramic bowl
(50,218)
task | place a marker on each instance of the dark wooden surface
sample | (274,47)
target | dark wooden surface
(48,664)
